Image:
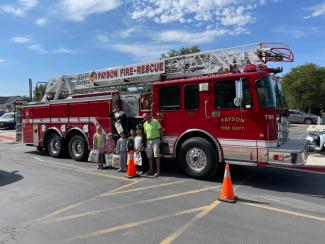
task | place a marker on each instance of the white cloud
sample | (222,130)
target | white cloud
(62,50)
(190,37)
(38,48)
(103,38)
(2,60)
(20,8)
(77,10)
(141,52)
(235,16)
(219,12)
(41,21)
(128,32)
(316,11)
(21,39)
(297,31)
(137,32)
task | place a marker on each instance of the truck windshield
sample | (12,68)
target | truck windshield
(269,93)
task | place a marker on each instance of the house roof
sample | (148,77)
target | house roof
(4,100)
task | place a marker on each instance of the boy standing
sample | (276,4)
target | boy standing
(122,150)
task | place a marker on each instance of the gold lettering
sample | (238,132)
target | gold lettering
(233,119)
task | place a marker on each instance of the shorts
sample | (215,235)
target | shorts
(153,148)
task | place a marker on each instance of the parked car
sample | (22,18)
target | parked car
(7,120)
(297,116)
(2,112)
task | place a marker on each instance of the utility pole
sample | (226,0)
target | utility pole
(30,90)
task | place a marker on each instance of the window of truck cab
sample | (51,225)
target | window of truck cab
(169,98)
(225,92)
(191,97)
(269,93)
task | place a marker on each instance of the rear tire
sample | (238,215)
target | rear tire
(308,121)
(198,158)
(78,148)
(55,145)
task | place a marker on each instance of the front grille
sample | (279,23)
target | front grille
(283,129)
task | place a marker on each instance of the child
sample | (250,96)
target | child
(110,143)
(99,145)
(110,147)
(131,140)
(139,147)
(122,150)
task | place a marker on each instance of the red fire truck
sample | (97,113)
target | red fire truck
(217,106)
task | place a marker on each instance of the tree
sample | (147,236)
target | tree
(39,92)
(181,51)
(304,87)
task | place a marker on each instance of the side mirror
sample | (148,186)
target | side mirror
(239,93)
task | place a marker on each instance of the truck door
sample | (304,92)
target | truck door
(234,126)
(169,104)
(194,99)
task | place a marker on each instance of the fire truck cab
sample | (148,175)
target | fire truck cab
(236,114)
(239,119)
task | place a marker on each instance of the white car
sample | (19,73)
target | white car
(7,120)
(316,137)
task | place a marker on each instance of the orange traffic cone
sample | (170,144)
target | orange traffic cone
(131,167)
(227,191)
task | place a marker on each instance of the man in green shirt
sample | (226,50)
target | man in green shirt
(153,132)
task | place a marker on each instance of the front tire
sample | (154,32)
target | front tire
(55,145)
(78,149)
(198,158)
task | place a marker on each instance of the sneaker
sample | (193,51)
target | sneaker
(156,174)
(120,170)
(149,173)
(140,173)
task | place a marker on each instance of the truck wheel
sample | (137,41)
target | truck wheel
(198,158)
(78,149)
(308,121)
(55,145)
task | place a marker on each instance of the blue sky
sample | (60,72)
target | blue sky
(41,39)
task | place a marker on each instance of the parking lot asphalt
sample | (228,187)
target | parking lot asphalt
(46,200)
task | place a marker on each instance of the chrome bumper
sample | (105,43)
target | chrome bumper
(292,152)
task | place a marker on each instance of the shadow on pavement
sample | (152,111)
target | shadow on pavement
(7,178)
(281,180)
(169,167)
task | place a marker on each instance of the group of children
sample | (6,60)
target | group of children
(123,146)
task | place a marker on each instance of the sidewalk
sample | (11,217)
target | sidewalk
(7,135)
(316,159)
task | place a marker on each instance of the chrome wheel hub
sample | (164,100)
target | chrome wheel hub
(196,159)
(55,145)
(76,147)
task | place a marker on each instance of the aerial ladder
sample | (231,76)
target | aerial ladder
(214,62)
